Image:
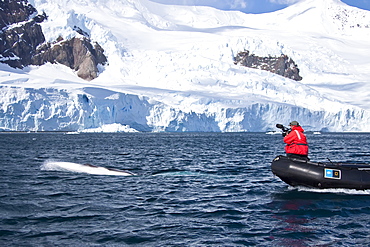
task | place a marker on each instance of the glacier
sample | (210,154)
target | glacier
(170,68)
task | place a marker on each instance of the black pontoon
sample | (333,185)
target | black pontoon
(297,172)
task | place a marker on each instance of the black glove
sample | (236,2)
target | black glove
(286,132)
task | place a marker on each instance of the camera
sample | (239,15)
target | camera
(283,128)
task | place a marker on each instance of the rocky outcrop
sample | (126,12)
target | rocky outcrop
(282,65)
(77,53)
(22,42)
(14,12)
(18,42)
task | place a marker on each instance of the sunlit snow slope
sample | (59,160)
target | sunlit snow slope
(171,68)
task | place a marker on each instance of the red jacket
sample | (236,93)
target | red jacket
(296,142)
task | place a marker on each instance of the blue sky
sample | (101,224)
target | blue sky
(254,6)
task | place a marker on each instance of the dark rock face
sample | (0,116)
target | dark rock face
(14,12)
(78,54)
(24,44)
(18,44)
(282,65)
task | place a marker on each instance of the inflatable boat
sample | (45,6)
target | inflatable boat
(322,175)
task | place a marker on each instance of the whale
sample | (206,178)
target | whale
(83,168)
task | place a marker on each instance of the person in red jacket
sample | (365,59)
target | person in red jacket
(296,142)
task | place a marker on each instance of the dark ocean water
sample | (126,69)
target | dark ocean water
(191,189)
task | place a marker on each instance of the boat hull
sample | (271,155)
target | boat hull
(296,172)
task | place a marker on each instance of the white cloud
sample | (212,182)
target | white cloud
(225,4)
(222,4)
(288,2)
(242,5)
(237,4)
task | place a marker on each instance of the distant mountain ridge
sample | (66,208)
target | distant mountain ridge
(154,67)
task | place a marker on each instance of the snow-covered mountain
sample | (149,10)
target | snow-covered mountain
(171,68)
